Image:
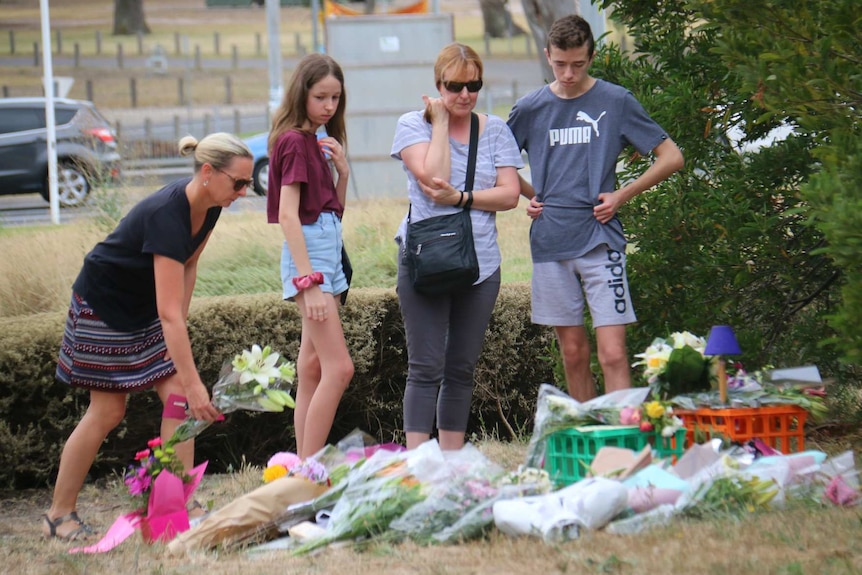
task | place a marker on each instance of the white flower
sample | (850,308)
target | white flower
(684,338)
(667,431)
(257,365)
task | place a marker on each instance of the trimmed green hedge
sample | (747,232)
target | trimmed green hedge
(37,413)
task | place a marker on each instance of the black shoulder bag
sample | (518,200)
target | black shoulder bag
(440,253)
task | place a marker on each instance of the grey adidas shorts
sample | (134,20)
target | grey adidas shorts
(559,290)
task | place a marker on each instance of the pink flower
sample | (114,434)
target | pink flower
(646,426)
(142,454)
(284,458)
(155,442)
(630,416)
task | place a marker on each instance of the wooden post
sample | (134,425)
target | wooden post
(89,89)
(258,43)
(177,48)
(181,91)
(36,54)
(77,53)
(217,43)
(140,44)
(59,42)
(133,90)
(236,121)
(98,42)
(198,64)
(120,56)
(228,90)
(11,41)
(234,56)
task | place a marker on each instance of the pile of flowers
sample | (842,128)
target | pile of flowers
(676,365)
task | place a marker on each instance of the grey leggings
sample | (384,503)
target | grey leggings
(445,336)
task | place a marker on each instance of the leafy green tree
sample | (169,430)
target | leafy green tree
(729,239)
(801,61)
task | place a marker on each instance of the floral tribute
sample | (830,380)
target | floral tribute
(256,380)
(150,462)
(676,365)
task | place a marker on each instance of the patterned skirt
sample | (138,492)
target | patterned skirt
(97,357)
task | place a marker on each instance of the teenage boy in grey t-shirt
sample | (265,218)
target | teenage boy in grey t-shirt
(573,131)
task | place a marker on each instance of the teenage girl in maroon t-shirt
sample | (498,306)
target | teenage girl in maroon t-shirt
(307,202)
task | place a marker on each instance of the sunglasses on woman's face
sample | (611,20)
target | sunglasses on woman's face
(472,86)
(238,183)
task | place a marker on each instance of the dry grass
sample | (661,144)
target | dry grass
(797,541)
(46,260)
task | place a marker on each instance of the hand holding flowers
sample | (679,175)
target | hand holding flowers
(256,380)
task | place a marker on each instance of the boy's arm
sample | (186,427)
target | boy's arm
(668,159)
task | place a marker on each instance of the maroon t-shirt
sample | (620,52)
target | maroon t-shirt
(296,157)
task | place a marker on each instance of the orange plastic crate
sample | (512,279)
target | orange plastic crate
(780,427)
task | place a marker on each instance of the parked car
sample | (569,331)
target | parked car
(257,145)
(86,148)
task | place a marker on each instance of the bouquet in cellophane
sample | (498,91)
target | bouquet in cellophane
(256,380)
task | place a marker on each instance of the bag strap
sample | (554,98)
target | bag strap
(471,163)
(471,155)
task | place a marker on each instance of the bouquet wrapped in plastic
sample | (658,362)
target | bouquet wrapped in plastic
(459,507)
(257,380)
(556,410)
(676,365)
(377,492)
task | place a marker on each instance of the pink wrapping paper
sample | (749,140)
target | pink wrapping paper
(166,513)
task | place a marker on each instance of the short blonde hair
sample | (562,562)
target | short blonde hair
(458,58)
(217,149)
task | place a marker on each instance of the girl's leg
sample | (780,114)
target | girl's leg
(105,412)
(327,342)
(308,380)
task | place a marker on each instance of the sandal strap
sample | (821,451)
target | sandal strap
(82,529)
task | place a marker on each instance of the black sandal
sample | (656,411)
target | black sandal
(83,531)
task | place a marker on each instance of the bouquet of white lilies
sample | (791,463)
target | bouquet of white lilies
(257,380)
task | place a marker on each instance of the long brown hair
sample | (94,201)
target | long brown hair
(292,113)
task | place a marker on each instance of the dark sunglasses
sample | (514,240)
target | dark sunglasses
(238,183)
(473,86)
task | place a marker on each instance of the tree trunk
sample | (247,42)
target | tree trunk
(129,18)
(498,20)
(541,14)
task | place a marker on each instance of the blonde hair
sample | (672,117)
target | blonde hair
(458,58)
(216,149)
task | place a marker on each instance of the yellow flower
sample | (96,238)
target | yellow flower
(654,410)
(273,472)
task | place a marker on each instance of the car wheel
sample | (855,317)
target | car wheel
(261,176)
(72,184)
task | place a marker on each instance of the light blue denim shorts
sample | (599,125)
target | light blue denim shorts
(559,290)
(323,243)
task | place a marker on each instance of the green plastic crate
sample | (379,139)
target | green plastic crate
(569,452)
(669,447)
